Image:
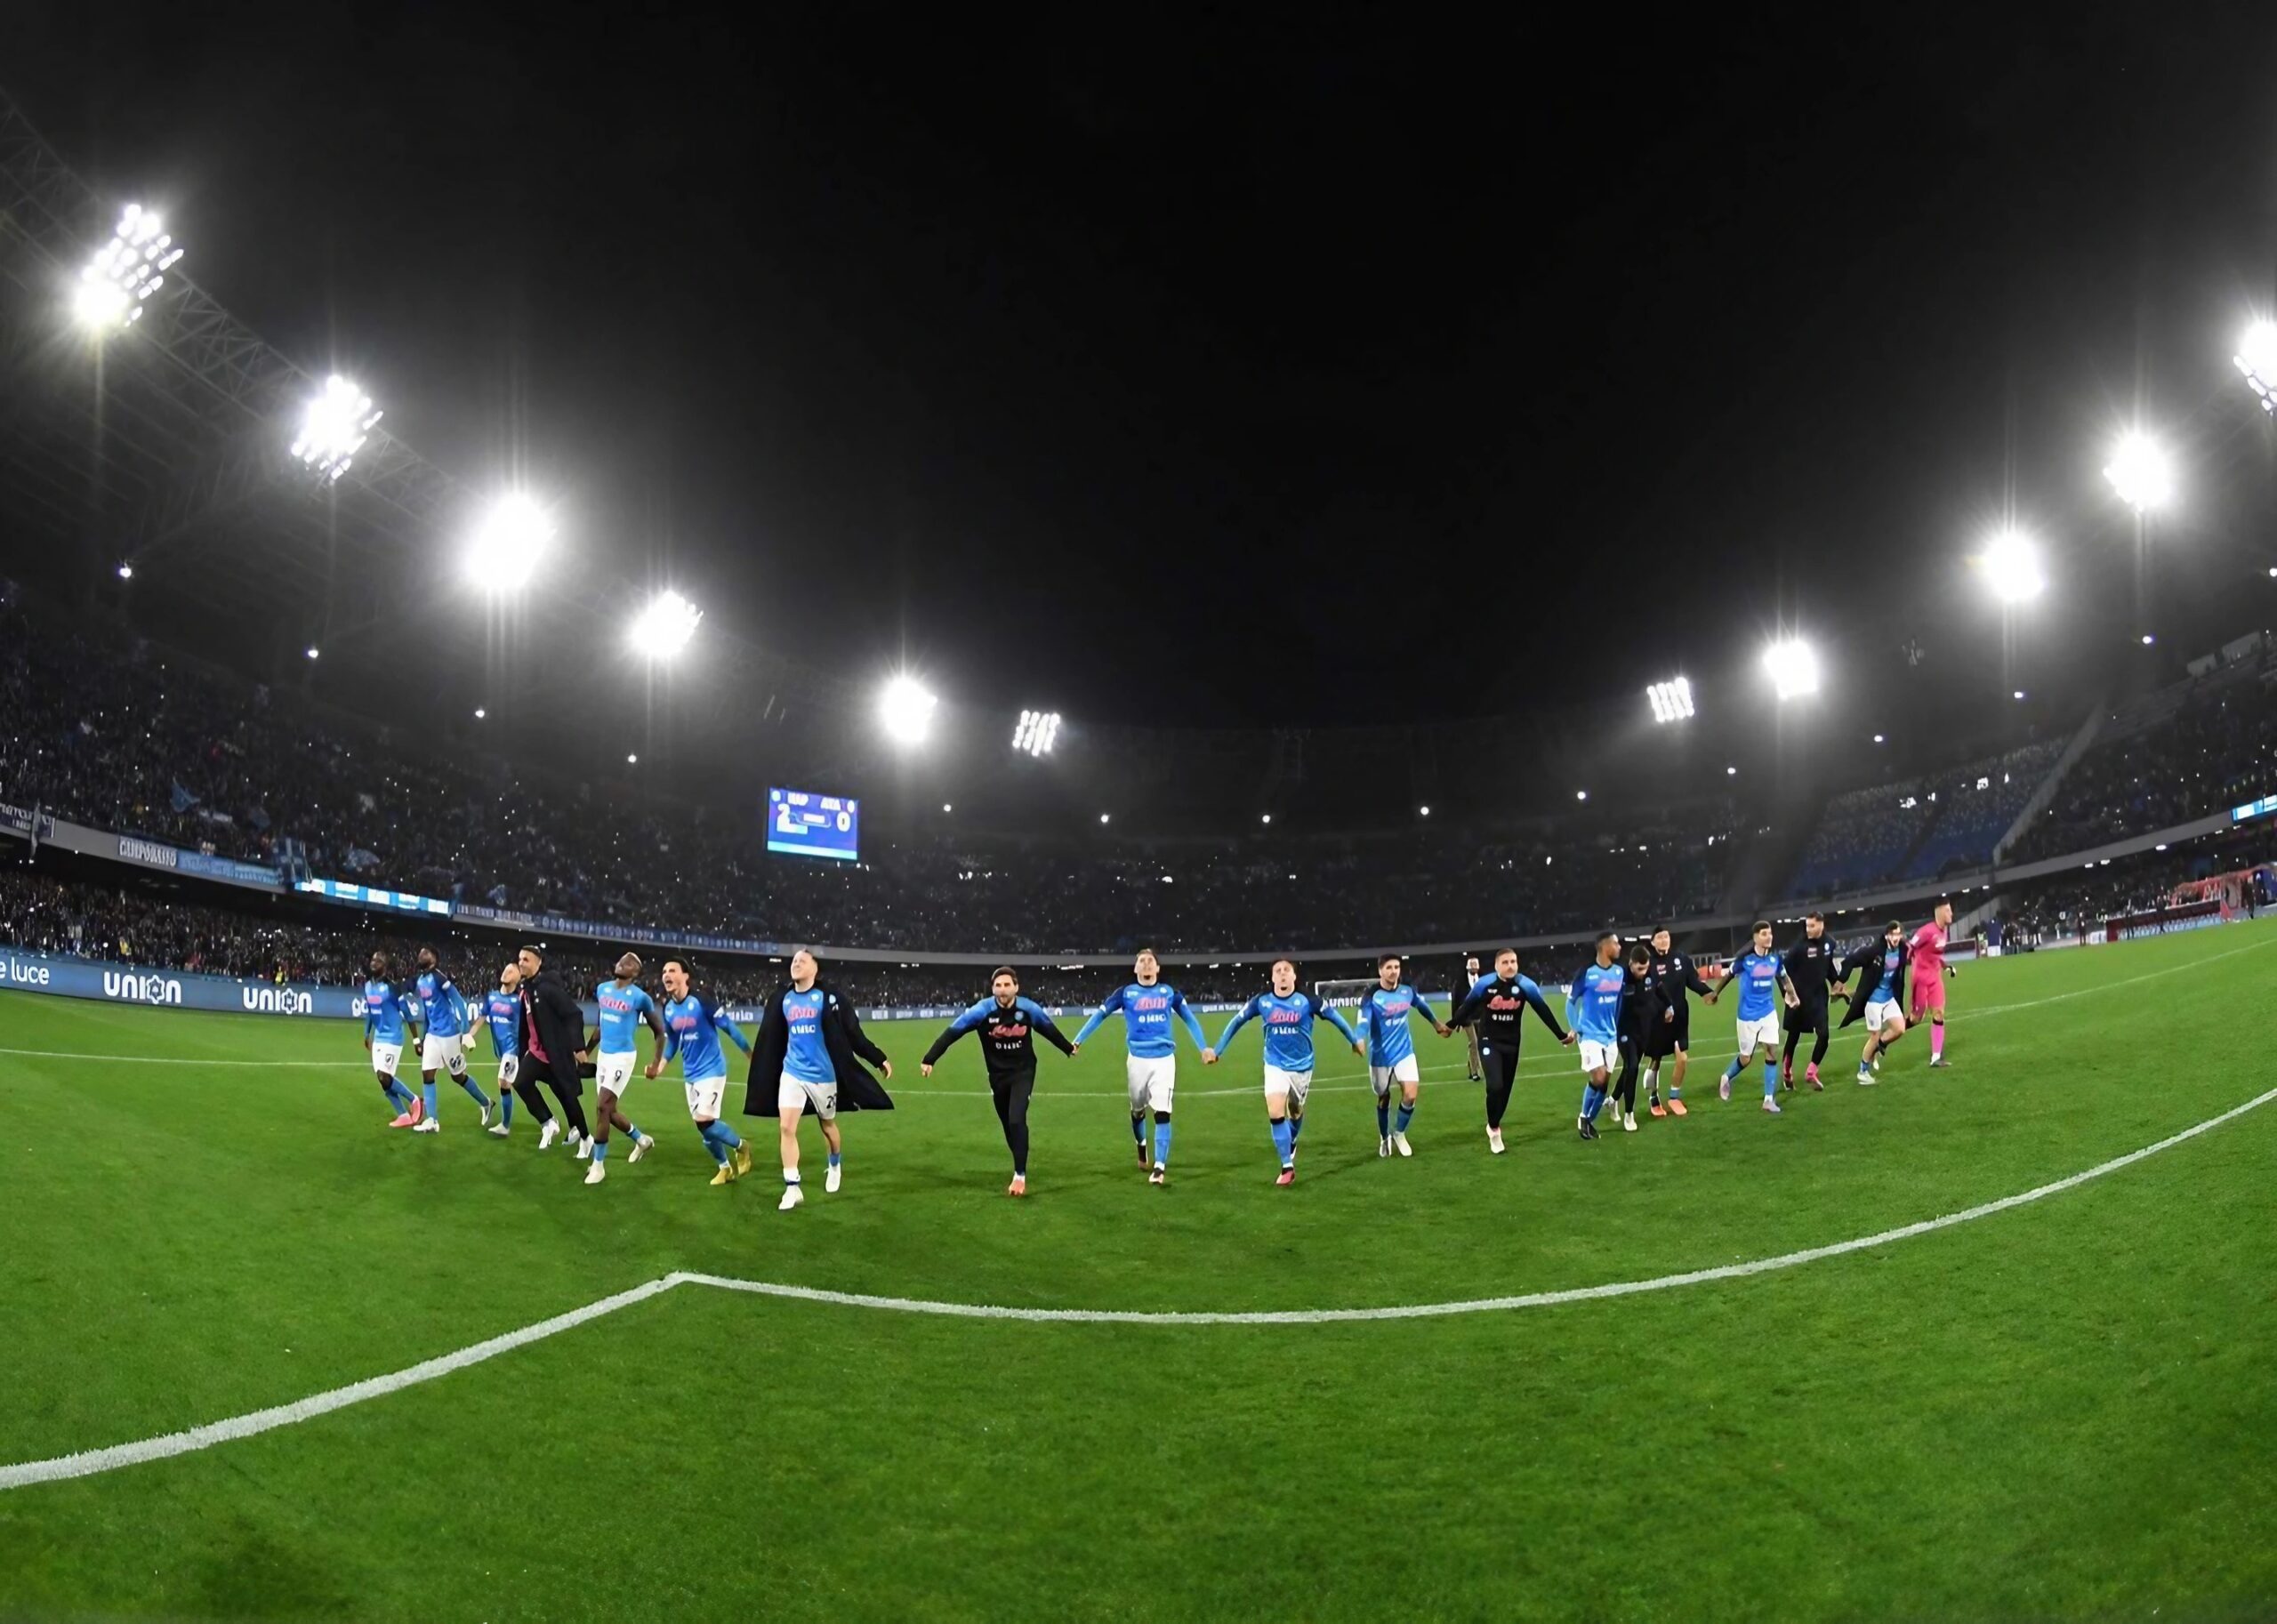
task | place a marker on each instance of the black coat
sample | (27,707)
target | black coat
(842,1035)
(1867,962)
(560,1025)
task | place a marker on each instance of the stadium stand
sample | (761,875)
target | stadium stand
(1920,827)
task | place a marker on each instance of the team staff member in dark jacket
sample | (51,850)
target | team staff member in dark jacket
(1493,1009)
(1007,1024)
(805,1059)
(1810,967)
(553,1041)
(1879,997)
(1673,975)
(1641,1010)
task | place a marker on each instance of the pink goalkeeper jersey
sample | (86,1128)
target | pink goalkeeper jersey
(1929,950)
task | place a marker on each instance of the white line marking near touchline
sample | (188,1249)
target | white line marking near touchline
(89,1463)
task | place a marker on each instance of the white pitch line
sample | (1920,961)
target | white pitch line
(91,1462)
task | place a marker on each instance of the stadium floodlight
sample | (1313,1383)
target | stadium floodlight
(1731,772)
(945,807)
(506,546)
(1266,818)
(632,760)
(1422,811)
(479,712)
(125,272)
(2256,358)
(1103,818)
(2019,693)
(1793,666)
(663,628)
(906,707)
(1671,701)
(2141,472)
(312,651)
(127,572)
(1036,732)
(1581,794)
(2011,566)
(338,420)
(2148,640)
(1877,738)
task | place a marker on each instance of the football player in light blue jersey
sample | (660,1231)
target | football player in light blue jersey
(443,1045)
(1288,1015)
(1762,978)
(692,1027)
(501,1013)
(625,1005)
(386,1008)
(1391,1051)
(1593,1011)
(1147,1005)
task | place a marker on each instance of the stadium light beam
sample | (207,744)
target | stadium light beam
(1793,667)
(1671,701)
(513,535)
(2141,471)
(663,629)
(906,707)
(338,420)
(2011,566)
(125,272)
(1036,732)
(2256,358)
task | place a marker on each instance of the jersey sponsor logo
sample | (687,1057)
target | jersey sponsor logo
(1018,1034)
(1150,1005)
(278,1001)
(142,989)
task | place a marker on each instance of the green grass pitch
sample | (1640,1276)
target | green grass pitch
(2064,1409)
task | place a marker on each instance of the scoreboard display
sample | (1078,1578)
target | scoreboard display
(806,825)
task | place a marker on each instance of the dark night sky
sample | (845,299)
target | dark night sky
(1230,369)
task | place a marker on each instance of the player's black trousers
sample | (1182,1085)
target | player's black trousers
(1624,1086)
(573,1106)
(1500,1063)
(1811,1018)
(1010,1090)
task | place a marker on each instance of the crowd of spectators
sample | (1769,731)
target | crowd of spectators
(122,735)
(1922,827)
(2217,749)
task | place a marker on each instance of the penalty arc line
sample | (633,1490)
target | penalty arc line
(90,1463)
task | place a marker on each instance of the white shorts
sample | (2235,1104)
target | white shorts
(386,1057)
(1152,1082)
(1878,1012)
(510,1066)
(1600,1057)
(442,1054)
(703,1096)
(819,1099)
(613,1073)
(1759,1034)
(1294,1085)
(1403,1070)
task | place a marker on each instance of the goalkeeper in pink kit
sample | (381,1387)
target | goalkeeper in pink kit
(1930,973)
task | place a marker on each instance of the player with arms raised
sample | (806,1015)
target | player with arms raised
(1147,1005)
(1008,1024)
(1288,1015)
(692,1027)
(1493,1010)
(1927,959)
(1762,978)
(1391,1052)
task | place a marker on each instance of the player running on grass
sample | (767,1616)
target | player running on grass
(1147,1005)
(1762,979)
(809,1057)
(1641,1010)
(501,1013)
(692,1027)
(1288,1015)
(1391,1052)
(386,1007)
(1593,1011)
(1929,965)
(1880,966)
(442,1047)
(1494,1010)
(1810,966)
(1675,976)
(624,1005)
(1008,1024)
